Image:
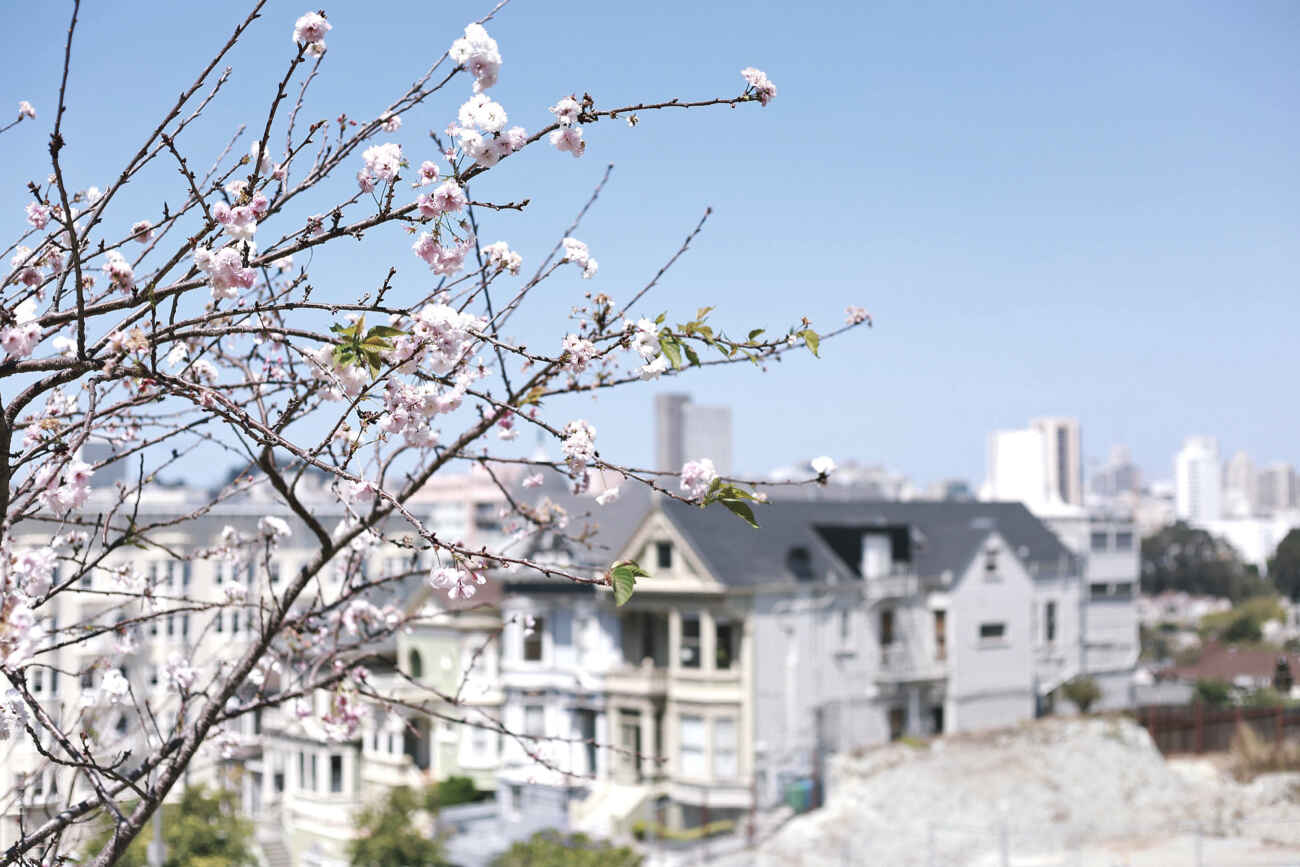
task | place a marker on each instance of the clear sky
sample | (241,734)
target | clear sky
(1086,211)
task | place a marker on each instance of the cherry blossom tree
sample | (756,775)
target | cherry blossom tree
(201,325)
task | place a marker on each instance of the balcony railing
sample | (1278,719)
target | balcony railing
(900,582)
(900,662)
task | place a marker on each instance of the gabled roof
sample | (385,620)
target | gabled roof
(944,535)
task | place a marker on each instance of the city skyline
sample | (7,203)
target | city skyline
(992,206)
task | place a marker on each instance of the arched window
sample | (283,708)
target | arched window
(414,665)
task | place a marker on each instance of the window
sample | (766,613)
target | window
(1100,540)
(1124,541)
(414,665)
(692,760)
(992,631)
(941,635)
(846,626)
(886,627)
(799,562)
(1049,622)
(88,679)
(314,787)
(171,624)
(991,563)
(302,770)
(724,749)
(664,555)
(221,619)
(186,574)
(185,625)
(273,571)
(726,644)
(1118,591)
(336,773)
(534,720)
(153,626)
(219,570)
(1123,590)
(533,639)
(690,652)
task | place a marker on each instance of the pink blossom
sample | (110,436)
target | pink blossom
(501,256)
(569,139)
(20,339)
(533,481)
(442,260)
(764,91)
(696,477)
(446,199)
(311,28)
(575,251)
(428,172)
(383,161)
(854,315)
(577,353)
(119,271)
(142,231)
(609,495)
(392,123)
(226,271)
(566,111)
(477,53)
(25,110)
(38,215)
(179,673)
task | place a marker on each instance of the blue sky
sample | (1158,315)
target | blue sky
(1086,211)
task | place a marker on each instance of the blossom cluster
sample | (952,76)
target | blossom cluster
(477,53)
(579,448)
(66,488)
(225,270)
(381,163)
(645,340)
(697,476)
(480,131)
(759,85)
(310,30)
(19,339)
(240,222)
(460,581)
(568,137)
(500,256)
(576,252)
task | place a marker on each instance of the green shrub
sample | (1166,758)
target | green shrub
(1082,691)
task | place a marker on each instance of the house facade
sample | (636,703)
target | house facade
(750,656)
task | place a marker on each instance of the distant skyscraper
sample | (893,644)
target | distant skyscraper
(685,431)
(1197,480)
(1239,484)
(1064,458)
(1036,465)
(1276,489)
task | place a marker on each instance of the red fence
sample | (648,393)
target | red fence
(1197,729)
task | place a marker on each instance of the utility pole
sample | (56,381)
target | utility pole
(157,851)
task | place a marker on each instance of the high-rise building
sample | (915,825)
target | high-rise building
(1276,489)
(1119,475)
(1239,486)
(1197,480)
(685,431)
(1036,465)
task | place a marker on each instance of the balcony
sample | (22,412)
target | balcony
(900,663)
(900,582)
(646,679)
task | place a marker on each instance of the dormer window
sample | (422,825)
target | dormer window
(799,562)
(664,555)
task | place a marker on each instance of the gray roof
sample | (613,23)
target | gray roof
(943,536)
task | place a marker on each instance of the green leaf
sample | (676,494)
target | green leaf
(384,331)
(753,334)
(690,355)
(810,337)
(623,579)
(702,312)
(669,345)
(741,508)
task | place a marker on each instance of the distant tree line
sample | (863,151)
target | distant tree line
(1184,558)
